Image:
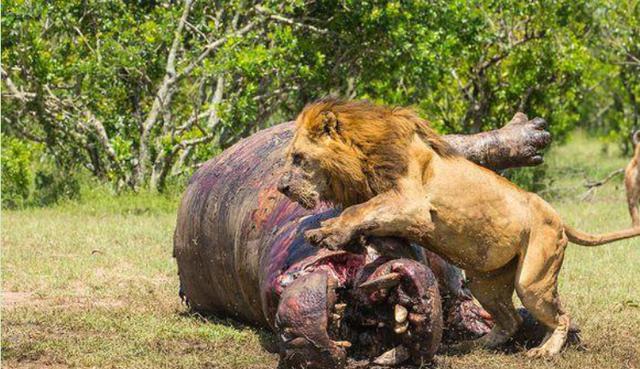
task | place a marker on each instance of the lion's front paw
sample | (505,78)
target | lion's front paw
(330,238)
(328,223)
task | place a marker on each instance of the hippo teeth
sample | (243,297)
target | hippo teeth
(395,356)
(401,328)
(340,308)
(384,282)
(336,321)
(400,313)
(345,344)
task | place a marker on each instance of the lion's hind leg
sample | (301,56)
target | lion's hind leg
(537,287)
(633,197)
(494,291)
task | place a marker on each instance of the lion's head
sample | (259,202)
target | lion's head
(346,152)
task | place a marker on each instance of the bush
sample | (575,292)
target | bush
(17,172)
(534,179)
(28,182)
(51,187)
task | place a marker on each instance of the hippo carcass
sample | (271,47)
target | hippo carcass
(241,253)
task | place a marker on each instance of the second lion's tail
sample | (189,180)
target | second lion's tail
(586,239)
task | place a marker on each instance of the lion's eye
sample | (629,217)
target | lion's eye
(297,159)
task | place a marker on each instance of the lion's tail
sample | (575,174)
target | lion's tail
(586,239)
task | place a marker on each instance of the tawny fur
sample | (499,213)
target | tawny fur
(398,178)
(632,182)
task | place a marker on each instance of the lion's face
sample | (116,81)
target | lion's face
(346,152)
(304,180)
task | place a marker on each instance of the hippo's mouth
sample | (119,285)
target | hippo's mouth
(370,308)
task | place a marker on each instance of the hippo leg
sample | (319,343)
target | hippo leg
(463,317)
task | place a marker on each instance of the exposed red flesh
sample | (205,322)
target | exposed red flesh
(341,265)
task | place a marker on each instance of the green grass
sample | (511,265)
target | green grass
(93,284)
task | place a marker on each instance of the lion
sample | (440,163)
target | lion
(394,176)
(632,181)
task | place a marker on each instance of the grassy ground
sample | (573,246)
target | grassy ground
(94,285)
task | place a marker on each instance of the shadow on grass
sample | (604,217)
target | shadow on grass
(530,334)
(267,339)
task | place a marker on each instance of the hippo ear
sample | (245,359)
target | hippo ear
(636,137)
(330,124)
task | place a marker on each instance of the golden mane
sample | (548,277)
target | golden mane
(368,152)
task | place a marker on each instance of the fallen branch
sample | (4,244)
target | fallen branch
(605,180)
(592,186)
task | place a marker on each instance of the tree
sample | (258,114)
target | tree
(141,92)
(612,88)
(103,84)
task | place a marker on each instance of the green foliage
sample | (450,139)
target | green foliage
(140,98)
(611,105)
(29,181)
(17,173)
(53,186)
(534,179)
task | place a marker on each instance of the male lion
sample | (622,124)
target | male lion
(632,181)
(396,177)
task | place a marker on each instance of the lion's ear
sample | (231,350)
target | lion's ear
(330,123)
(636,137)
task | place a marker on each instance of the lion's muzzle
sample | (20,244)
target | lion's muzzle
(296,187)
(284,185)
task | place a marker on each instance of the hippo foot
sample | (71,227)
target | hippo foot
(465,319)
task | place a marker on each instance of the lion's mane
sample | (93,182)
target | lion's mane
(367,151)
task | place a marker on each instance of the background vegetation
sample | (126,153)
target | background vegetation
(137,94)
